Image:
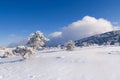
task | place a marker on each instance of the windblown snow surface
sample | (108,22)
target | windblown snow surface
(90,63)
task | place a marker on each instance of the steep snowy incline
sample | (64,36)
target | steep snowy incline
(90,63)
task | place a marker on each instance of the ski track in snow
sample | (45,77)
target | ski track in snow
(87,63)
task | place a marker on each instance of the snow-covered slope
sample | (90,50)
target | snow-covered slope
(90,63)
(108,38)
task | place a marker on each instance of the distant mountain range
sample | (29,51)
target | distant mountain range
(108,38)
(18,43)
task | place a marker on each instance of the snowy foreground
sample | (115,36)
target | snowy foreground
(90,63)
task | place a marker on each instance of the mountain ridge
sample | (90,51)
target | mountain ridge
(108,38)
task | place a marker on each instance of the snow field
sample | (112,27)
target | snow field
(88,63)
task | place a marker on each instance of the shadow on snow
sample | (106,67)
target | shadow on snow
(11,61)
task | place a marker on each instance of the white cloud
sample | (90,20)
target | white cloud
(12,35)
(55,38)
(115,23)
(55,34)
(11,39)
(116,28)
(86,27)
(83,28)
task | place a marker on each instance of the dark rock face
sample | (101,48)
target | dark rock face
(108,38)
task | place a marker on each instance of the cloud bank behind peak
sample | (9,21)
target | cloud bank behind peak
(85,27)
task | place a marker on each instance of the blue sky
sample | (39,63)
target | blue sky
(18,18)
